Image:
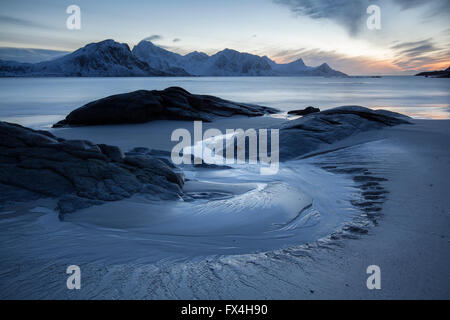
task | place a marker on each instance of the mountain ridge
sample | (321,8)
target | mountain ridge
(109,58)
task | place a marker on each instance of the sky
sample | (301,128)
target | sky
(414,34)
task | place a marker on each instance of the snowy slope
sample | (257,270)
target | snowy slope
(159,58)
(112,59)
(106,58)
(227,62)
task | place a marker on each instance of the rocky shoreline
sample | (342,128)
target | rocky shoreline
(77,172)
(80,174)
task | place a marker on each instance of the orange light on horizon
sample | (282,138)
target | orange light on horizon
(436,66)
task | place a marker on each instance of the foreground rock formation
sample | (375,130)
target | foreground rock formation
(173,103)
(37,164)
(301,136)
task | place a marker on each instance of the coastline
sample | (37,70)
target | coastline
(412,241)
(409,246)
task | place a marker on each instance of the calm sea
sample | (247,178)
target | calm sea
(38,102)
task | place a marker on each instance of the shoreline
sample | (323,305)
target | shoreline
(410,247)
(412,242)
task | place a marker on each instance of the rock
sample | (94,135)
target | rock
(436,74)
(77,172)
(204,165)
(112,152)
(173,103)
(304,112)
(304,135)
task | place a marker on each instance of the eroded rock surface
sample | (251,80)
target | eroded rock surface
(301,136)
(78,172)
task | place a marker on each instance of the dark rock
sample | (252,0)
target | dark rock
(173,103)
(139,150)
(112,152)
(436,74)
(356,229)
(205,165)
(37,163)
(302,136)
(304,112)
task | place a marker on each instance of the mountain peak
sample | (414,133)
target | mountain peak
(324,66)
(299,61)
(269,61)
(102,45)
(227,51)
(147,43)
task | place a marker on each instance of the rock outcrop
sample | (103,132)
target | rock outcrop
(304,135)
(173,103)
(78,172)
(436,74)
(304,112)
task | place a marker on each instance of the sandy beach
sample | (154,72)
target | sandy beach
(408,239)
(412,241)
(225,154)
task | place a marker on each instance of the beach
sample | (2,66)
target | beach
(245,240)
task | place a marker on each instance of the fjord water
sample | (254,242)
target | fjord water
(42,101)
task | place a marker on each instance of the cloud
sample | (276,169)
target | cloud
(407,45)
(436,7)
(407,58)
(346,13)
(153,37)
(419,54)
(350,65)
(176,40)
(22,22)
(352,14)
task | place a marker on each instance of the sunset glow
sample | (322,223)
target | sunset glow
(413,36)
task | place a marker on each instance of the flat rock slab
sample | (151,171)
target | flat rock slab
(301,136)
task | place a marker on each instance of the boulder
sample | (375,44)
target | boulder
(173,103)
(304,112)
(78,172)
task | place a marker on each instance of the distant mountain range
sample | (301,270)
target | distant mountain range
(112,59)
(436,74)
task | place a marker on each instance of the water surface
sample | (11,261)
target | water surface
(42,101)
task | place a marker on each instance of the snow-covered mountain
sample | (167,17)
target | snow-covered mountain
(112,59)
(233,63)
(102,59)
(299,68)
(159,58)
(226,63)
